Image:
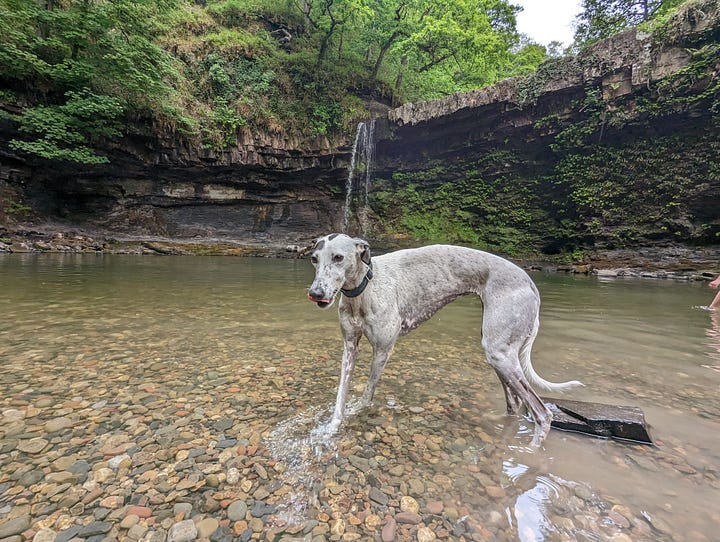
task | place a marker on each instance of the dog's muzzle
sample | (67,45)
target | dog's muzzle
(318,296)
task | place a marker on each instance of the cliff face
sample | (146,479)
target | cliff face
(616,147)
(265,187)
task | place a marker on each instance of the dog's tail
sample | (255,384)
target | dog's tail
(529,371)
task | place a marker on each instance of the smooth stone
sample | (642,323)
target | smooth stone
(206,527)
(61,478)
(408,518)
(129,521)
(140,511)
(435,507)
(237,511)
(424,534)
(389,531)
(12,415)
(15,526)
(95,528)
(182,531)
(137,532)
(45,535)
(68,534)
(261,509)
(58,424)
(408,504)
(378,496)
(338,527)
(182,509)
(32,446)
(122,460)
(233,476)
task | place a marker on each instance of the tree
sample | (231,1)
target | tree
(328,19)
(443,45)
(601,19)
(86,62)
(67,131)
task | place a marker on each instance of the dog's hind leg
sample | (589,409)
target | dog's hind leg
(512,400)
(508,329)
(517,387)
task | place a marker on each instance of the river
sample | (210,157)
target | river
(199,380)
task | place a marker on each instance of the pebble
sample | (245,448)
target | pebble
(182,531)
(57,424)
(389,531)
(206,527)
(32,446)
(44,535)
(425,534)
(14,526)
(408,517)
(237,511)
(409,504)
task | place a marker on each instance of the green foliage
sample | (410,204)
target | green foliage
(108,47)
(221,126)
(599,19)
(324,118)
(65,132)
(284,67)
(83,64)
(485,208)
(620,193)
(13,208)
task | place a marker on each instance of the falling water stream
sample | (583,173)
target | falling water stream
(360,168)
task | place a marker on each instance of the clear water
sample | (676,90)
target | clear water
(106,326)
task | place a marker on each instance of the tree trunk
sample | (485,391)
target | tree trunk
(381,55)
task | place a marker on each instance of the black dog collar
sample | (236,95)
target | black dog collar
(360,288)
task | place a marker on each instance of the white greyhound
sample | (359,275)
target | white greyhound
(392,294)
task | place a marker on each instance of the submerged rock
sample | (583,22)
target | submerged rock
(609,421)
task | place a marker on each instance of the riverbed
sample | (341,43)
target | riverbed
(180,398)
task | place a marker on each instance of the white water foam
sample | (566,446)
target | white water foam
(305,445)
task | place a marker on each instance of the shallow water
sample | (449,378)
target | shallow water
(192,330)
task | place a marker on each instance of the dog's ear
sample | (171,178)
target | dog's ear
(309,248)
(363,247)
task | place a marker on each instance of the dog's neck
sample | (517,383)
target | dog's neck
(360,288)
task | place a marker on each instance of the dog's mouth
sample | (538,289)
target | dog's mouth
(322,302)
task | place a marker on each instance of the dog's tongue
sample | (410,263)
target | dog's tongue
(321,302)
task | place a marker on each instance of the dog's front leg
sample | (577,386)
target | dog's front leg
(346,373)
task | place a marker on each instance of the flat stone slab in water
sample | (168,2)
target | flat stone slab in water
(608,421)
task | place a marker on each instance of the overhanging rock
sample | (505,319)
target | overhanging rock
(607,421)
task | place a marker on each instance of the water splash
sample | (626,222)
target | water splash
(360,162)
(305,446)
(302,446)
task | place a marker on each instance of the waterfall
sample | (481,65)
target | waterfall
(360,162)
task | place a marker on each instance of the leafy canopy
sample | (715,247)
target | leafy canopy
(600,19)
(217,69)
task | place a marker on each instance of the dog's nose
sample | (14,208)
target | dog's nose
(316,293)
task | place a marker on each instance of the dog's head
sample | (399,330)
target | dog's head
(338,259)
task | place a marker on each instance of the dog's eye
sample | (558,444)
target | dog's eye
(338,258)
(313,260)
